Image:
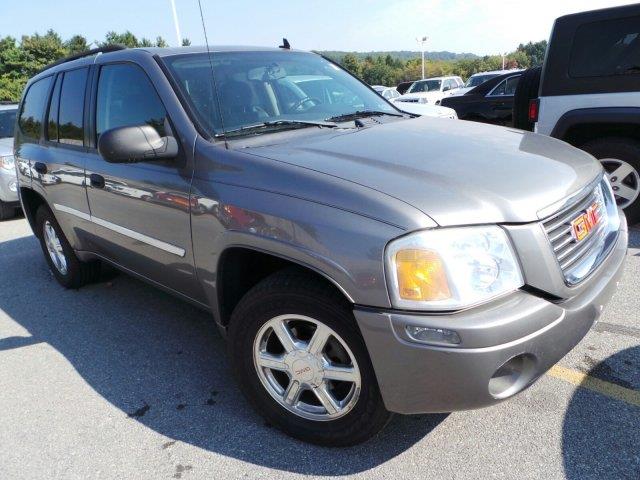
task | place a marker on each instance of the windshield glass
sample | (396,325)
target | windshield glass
(269,87)
(476,80)
(426,86)
(7,123)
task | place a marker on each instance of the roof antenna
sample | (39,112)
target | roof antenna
(285,44)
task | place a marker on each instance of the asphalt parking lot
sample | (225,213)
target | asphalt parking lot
(119,380)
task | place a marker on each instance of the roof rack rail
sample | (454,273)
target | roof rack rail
(86,53)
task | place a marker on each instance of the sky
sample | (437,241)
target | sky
(476,26)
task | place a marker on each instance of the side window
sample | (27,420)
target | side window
(71,113)
(126,97)
(499,90)
(33,106)
(610,47)
(52,118)
(512,83)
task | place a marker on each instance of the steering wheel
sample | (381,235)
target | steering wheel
(301,102)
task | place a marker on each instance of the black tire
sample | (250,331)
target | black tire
(626,149)
(78,273)
(7,212)
(293,292)
(527,89)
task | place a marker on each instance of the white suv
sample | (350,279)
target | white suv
(588,94)
(431,90)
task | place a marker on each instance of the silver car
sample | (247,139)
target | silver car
(9,202)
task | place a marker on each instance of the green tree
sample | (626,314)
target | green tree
(76,44)
(186,42)
(534,51)
(160,42)
(126,39)
(351,63)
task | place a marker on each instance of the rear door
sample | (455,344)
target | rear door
(140,211)
(500,101)
(57,159)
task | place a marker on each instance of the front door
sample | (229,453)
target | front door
(140,211)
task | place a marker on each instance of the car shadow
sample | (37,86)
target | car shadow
(601,435)
(163,364)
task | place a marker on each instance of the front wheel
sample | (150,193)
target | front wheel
(302,363)
(7,212)
(620,158)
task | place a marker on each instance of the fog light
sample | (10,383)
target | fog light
(434,336)
(13,186)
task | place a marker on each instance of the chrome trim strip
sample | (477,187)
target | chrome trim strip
(72,211)
(154,242)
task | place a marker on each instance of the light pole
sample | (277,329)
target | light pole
(175,22)
(504,56)
(421,42)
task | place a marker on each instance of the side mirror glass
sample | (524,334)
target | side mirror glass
(136,144)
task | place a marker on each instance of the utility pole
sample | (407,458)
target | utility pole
(175,22)
(421,42)
(504,56)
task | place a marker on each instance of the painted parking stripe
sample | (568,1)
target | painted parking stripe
(611,390)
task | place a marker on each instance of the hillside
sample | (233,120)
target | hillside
(403,55)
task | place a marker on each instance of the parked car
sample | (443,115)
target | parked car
(359,261)
(490,102)
(403,87)
(590,94)
(392,95)
(9,203)
(478,79)
(431,90)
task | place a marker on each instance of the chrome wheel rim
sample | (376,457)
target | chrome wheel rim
(306,367)
(54,248)
(624,179)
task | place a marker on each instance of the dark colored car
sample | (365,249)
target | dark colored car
(359,261)
(404,86)
(490,102)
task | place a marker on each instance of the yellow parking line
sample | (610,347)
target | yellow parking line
(627,395)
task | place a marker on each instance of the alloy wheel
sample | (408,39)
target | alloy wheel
(307,367)
(624,179)
(54,248)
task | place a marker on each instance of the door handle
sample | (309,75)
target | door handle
(97,181)
(40,167)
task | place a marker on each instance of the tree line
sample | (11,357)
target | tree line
(21,59)
(389,70)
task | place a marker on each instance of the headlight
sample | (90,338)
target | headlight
(7,163)
(423,100)
(451,268)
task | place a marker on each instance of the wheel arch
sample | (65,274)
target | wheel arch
(242,267)
(582,125)
(31,201)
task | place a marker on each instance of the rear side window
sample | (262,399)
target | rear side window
(610,47)
(33,108)
(7,123)
(126,97)
(71,115)
(506,87)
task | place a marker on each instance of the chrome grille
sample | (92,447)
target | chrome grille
(578,258)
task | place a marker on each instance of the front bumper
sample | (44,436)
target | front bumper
(8,187)
(419,378)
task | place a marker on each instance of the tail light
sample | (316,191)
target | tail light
(534,109)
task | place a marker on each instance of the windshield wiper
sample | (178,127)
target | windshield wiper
(276,123)
(361,114)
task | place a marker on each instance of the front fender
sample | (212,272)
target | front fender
(344,247)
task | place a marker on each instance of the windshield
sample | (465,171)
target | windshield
(7,123)
(476,80)
(426,86)
(269,88)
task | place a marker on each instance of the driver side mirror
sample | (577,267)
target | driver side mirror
(136,144)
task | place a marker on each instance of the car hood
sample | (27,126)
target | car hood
(456,172)
(426,109)
(6,146)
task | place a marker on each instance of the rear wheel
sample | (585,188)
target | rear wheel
(302,363)
(620,158)
(63,262)
(7,212)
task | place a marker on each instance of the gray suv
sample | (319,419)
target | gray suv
(9,203)
(359,260)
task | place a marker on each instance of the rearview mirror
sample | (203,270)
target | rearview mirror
(136,144)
